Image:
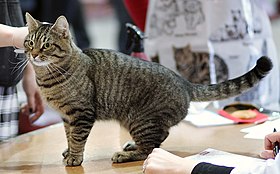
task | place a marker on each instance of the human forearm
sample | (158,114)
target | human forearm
(29,73)
(12,36)
(164,162)
(34,99)
(6,36)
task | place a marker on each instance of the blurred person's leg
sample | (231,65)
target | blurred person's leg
(75,15)
(123,18)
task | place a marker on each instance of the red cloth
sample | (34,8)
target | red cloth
(137,10)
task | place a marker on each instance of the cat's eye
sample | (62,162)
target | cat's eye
(46,45)
(31,43)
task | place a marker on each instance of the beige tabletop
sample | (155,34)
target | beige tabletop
(40,151)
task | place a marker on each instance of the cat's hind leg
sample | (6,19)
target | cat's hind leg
(129,146)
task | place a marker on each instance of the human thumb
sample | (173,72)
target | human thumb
(267,154)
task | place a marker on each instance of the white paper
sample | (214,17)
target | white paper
(261,130)
(200,117)
(225,158)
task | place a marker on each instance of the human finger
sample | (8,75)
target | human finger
(270,139)
(39,109)
(267,154)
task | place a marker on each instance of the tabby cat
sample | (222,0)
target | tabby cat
(98,84)
(194,66)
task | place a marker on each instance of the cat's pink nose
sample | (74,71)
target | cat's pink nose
(34,55)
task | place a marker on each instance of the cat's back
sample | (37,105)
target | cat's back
(114,62)
(106,56)
(112,69)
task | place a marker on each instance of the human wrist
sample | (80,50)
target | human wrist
(29,79)
(189,164)
(10,35)
(6,35)
(18,35)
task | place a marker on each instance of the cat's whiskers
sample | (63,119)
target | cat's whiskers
(17,62)
(24,64)
(17,67)
(73,81)
(63,86)
(51,70)
(70,81)
(58,68)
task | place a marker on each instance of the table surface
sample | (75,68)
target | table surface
(40,151)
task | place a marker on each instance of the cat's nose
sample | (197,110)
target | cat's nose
(34,55)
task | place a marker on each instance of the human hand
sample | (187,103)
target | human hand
(269,140)
(34,100)
(163,162)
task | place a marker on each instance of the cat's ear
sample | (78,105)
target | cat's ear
(188,46)
(32,24)
(61,26)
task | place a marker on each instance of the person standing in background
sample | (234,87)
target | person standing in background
(122,17)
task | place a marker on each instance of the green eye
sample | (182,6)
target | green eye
(46,45)
(31,43)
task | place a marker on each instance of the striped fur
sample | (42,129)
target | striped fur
(97,84)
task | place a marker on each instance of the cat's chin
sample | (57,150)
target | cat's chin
(40,63)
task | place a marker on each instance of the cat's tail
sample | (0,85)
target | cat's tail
(232,87)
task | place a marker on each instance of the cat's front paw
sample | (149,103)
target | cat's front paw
(72,160)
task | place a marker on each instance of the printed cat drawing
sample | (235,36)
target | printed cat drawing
(98,84)
(194,65)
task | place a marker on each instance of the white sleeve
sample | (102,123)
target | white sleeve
(271,166)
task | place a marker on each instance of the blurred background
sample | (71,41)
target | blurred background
(100,23)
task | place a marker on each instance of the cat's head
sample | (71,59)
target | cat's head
(192,6)
(167,3)
(183,54)
(47,43)
(236,15)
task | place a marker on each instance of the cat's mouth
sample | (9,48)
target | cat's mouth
(39,62)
